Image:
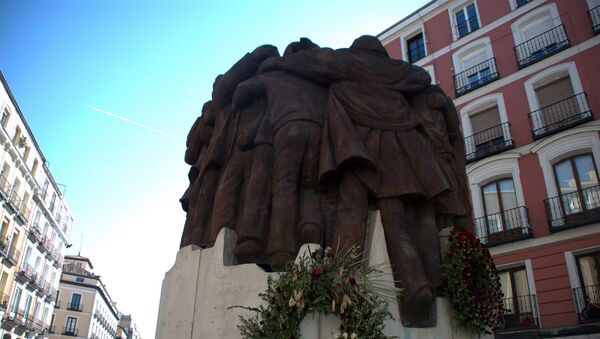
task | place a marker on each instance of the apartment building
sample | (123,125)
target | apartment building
(523,76)
(83,307)
(127,328)
(35,224)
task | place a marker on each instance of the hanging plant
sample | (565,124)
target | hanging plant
(320,282)
(473,285)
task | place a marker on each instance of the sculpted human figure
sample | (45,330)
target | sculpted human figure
(375,144)
(298,148)
(292,123)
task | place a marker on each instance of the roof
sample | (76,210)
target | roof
(80,258)
(406,17)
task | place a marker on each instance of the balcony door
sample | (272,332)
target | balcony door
(517,299)
(71,326)
(557,102)
(486,130)
(577,183)
(589,275)
(500,200)
(75,301)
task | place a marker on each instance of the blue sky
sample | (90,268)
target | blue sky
(74,65)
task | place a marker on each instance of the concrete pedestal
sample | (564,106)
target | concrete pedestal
(198,291)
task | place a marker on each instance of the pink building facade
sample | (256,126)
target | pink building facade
(523,76)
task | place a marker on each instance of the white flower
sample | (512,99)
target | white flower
(336,335)
(345,335)
(354,336)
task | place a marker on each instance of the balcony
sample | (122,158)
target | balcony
(560,115)
(520,313)
(595,17)
(4,186)
(35,234)
(9,251)
(488,142)
(72,332)
(75,307)
(4,301)
(27,274)
(467,27)
(576,208)
(507,226)
(475,77)
(542,46)
(57,304)
(587,303)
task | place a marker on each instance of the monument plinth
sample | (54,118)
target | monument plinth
(199,291)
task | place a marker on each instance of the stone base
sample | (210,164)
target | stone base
(199,290)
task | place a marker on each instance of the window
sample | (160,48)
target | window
(518,302)
(499,196)
(3,281)
(520,3)
(416,48)
(17,136)
(577,183)
(16,300)
(71,325)
(27,306)
(34,167)
(490,136)
(26,153)
(588,295)
(466,20)
(5,117)
(45,188)
(474,66)
(75,302)
(538,35)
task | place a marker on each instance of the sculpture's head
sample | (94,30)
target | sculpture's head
(370,44)
(297,46)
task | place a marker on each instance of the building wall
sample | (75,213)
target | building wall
(548,255)
(32,205)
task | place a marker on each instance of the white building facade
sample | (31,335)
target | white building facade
(35,224)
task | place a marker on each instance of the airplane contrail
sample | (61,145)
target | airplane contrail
(116,116)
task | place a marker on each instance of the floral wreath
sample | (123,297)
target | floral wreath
(473,285)
(320,282)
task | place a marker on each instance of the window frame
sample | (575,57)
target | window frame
(453,22)
(571,159)
(415,37)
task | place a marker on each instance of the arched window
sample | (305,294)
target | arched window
(538,35)
(474,66)
(578,201)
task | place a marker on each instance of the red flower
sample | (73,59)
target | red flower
(317,272)
(352,281)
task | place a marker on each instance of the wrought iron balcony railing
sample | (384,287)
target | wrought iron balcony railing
(488,142)
(595,17)
(542,46)
(503,227)
(560,115)
(15,199)
(13,254)
(520,313)
(475,77)
(467,27)
(75,307)
(4,186)
(57,304)
(576,208)
(587,303)
(73,332)
(4,301)
(52,329)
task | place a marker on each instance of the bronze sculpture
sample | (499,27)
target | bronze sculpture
(298,148)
